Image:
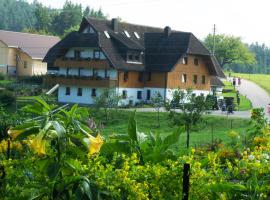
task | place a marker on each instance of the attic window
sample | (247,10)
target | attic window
(126,33)
(196,61)
(88,29)
(185,60)
(107,34)
(137,35)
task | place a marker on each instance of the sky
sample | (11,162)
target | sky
(247,19)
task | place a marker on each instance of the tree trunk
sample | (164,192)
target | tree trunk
(188,132)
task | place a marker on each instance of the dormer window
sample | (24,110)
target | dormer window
(126,33)
(130,57)
(137,35)
(137,58)
(134,57)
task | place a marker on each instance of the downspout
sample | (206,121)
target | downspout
(165,87)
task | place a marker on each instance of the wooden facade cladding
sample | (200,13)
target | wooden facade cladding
(79,81)
(157,80)
(190,69)
(98,64)
(132,80)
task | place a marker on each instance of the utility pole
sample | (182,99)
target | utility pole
(214,40)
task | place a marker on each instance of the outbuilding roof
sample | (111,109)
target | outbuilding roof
(36,46)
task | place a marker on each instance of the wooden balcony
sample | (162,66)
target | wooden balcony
(99,64)
(51,80)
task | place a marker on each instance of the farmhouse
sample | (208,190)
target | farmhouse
(136,61)
(21,54)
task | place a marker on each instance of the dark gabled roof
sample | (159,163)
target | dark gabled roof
(73,39)
(215,81)
(125,41)
(162,50)
(36,46)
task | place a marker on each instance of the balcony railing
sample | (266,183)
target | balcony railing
(90,81)
(87,63)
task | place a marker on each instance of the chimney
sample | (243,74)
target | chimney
(115,24)
(167,31)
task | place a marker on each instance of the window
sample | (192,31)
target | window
(67,72)
(124,94)
(126,33)
(25,64)
(95,72)
(140,77)
(130,57)
(107,34)
(125,76)
(80,72)
(203,79)
(88,29)
(79,92)
(149,76)
(97,54)
(67,91)
(137,35)
(185,60)
(184,78)
(195,79)
(148,97)
(196,61)
(139,94)
(137,58)
(106,73)
(94,94)
(77,55)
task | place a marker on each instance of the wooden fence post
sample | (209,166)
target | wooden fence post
(186,181)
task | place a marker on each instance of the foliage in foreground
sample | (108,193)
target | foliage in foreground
(64,169)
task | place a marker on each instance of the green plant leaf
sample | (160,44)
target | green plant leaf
(117,146)
(59,129)
(74,164)
(132,127)
(226,187)
(53,169)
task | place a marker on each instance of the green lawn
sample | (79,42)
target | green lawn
(261,79)
(118,123)
(245,103)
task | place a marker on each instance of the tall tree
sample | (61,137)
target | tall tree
(71,15)
(43,17)
(229,50)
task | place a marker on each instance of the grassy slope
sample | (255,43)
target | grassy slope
(146,122)
(245,104)
(261,79)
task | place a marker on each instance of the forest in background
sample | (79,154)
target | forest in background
(262,65)
(19,15)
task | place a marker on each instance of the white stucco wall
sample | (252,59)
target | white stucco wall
(169,93)
(86,97)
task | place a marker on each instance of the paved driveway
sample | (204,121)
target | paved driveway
(258,96)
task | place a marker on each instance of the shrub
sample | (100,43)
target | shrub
(2,76)
(7,98)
